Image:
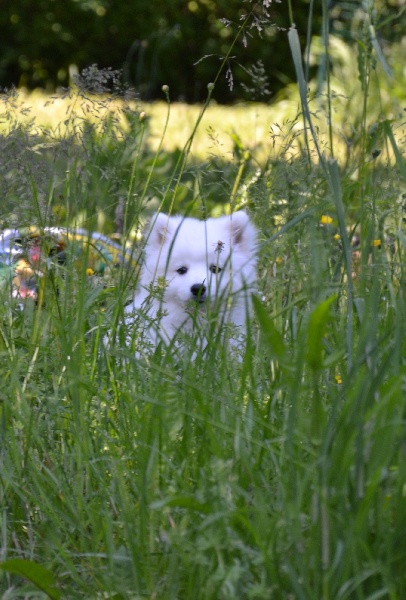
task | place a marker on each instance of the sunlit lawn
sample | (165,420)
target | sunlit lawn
(250,123)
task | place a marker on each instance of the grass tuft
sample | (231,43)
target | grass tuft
(280,475)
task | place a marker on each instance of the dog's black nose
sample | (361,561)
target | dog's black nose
(198,289)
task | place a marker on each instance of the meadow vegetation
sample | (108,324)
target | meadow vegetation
(281,476)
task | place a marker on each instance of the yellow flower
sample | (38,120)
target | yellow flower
(338,379)
(326,220)
(376,243)
(89,272)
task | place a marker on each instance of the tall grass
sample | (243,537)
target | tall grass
(281,476)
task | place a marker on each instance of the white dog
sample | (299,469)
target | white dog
(194,269)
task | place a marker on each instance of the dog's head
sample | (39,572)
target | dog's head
(201,259)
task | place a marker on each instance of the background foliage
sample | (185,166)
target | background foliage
(157,42)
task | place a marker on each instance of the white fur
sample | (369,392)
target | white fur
(184,254)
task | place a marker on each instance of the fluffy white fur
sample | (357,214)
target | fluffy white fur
(198,266)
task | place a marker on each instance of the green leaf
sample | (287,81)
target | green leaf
(37,574)
(399,158)
(378,51)
(317,328)
(294,43)
(273,339)
(6,273)
(186,502)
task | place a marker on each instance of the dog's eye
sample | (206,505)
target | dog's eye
(215,269)
(181,270)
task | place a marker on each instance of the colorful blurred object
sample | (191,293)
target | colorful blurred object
(27,253)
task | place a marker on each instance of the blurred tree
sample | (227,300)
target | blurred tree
(179,43)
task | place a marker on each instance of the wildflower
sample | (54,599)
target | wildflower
(89,272)
(210,87)
(376,243)
(219,246)
(338,379)
(326,220)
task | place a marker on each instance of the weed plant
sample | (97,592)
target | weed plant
(157,476)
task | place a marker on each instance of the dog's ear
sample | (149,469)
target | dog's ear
(159,229)
(242,230)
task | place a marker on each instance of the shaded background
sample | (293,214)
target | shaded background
(156,42)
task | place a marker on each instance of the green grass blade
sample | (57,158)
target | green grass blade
(37,574)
